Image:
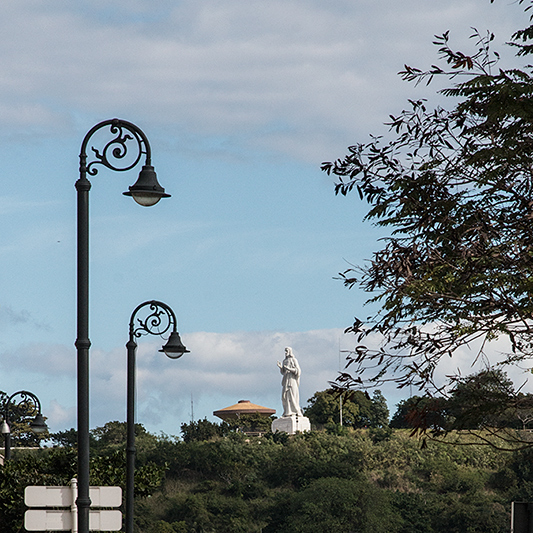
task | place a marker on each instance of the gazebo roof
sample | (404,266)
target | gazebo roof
(243,407)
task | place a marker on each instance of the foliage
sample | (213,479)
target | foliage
(43,467)
(253,422)
(332,504)
(308,482)
(202,430)
(114,435)
(320,482)
(324,408)
(67,438)
(358,409)
(453,192)
(379,410)
(484,399)
(420,412)
(483,402)
(58,465)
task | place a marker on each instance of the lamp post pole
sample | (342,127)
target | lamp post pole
(158,319)
(37,423)
(115,155)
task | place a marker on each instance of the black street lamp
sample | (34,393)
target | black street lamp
(28,402)
(158,320)
(116,156)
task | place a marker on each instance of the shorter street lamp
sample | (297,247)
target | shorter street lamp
(27,402)
(159,320)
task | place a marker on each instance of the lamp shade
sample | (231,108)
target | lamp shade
(146,191)
(174,348)
(4,428)
(38,425)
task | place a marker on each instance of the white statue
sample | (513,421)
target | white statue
(290,383)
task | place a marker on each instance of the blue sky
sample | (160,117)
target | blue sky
(241,101)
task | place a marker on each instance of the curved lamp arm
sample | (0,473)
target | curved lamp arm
(37,423)
(159,320)
(117,155)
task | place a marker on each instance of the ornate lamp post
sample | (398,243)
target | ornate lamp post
(36,423)
(115,155)
(158,320)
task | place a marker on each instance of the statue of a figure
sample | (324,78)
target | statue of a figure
(290,383)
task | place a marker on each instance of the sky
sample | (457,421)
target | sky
(241,100)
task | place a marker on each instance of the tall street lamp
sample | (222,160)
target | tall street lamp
(29,403)
(115,155)
(158,319)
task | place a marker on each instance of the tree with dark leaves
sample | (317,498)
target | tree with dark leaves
(453,192)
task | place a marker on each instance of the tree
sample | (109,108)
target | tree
(336,504)
(486,399)
(253,422)
(67,438)
(379,410)
(358,409)
(421,412)
(324,408)
(524,409)
(454,191)
(200,430)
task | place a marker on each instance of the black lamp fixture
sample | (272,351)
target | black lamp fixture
(158,319)
(174,348)
(36,423)
(123,152)
(146,191)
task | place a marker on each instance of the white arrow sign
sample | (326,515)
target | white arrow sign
(51,520)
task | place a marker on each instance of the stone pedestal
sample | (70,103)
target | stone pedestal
(291,424)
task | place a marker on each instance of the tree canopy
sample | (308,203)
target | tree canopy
(311,482)
(486,401)
(453,191)
(358,409)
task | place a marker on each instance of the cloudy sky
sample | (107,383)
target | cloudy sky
(241,101)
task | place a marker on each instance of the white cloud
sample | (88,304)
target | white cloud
(221,369)
(59,416)
(236,69)
(49,361)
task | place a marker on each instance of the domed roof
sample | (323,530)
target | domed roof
(243,407)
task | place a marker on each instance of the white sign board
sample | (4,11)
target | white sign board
(46,520)
(51,520)
(48,496)
(105,496)
(66,519)
(63,496)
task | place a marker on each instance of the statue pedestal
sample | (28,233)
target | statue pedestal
(291,424)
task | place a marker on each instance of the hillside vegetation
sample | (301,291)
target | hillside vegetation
(357,480)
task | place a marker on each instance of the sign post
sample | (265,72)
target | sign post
(66,519)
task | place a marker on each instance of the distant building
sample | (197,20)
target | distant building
(243,407)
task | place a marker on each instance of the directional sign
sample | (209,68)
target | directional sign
(47,520)
(63,496)
(48,496)
(65,519)
(52,520)
(105,496)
